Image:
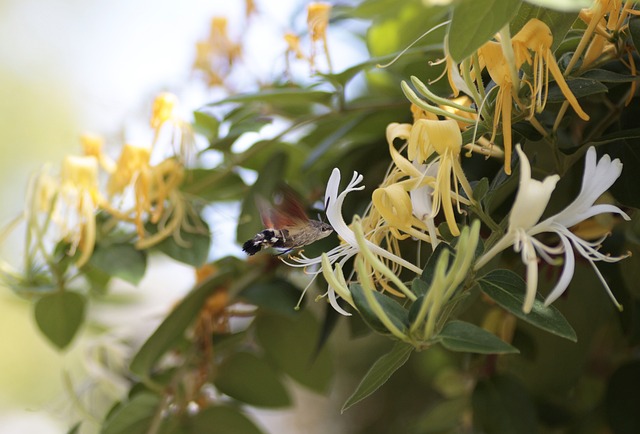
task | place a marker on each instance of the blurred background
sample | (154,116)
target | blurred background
(68,67)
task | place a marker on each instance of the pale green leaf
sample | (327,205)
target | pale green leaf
(474,22)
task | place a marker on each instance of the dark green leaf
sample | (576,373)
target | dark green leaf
(396,313)
(618,136)
(480,189)
(466,337)
(221,419)
(251,380)
(430,268)
(634,30)
(214,185)
(502,406)
(174,326)
(284,96)
(120,260)
(419,287)
(290,342)
(134,416)
(474,22)
(580,87)
(192,245)
(605,76)
(277,295)
(59,316)
(380,372)
(508,290)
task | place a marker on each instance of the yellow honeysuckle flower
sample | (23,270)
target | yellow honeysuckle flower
(419,113)
(152,187)
(171,127)
(92,146)
(134,159)
(318,14)
(464,101)
(163,109)
(535,36)
(446,140)
(293,45)
(79,197)
(491,57)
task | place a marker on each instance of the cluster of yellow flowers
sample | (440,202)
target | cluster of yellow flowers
(318,14)
(426,176)
(136,191)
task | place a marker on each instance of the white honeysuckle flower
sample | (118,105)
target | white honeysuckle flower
(532,199)
(422,203)
(349,248)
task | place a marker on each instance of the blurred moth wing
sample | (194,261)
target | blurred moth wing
(287,225)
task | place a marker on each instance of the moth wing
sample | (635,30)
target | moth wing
(266,212)
(289,211)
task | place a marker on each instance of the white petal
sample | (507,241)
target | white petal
(567,273)
(598,178)
(532,198)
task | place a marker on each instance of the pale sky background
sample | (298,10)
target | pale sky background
(70,66)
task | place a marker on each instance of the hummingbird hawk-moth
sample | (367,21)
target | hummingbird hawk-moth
(286,226)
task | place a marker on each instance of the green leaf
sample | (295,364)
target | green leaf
(634,30)
(605,76)
(480,189)
(192,247)
(419,287)
(562,5)
(277,295)
(580,87)
(206,124)
(120,260)
(251,380)
(508,290)
(474,22)
(397,313)
(559,22)
(466,337)
(430,267)
(75,429)
(221,419)
(174,326)
(502,406)
(279,97)
(618,136)
(290,342)
(59,316)
(379,373)
(134,416)
(214,185)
